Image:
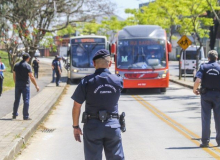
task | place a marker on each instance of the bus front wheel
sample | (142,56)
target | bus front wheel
(68,81)
(163,89)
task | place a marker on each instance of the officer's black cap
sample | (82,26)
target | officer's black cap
(102,53)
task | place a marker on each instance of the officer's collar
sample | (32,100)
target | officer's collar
(212,61)
(100,70)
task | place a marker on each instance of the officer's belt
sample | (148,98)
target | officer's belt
(212,89)
(96,116)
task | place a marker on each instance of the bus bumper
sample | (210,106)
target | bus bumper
(146,83)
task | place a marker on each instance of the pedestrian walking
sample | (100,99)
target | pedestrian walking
(101,92)
(57,69)
(22,74)
(35,65)
(2,69)
(209,77)
(53,70)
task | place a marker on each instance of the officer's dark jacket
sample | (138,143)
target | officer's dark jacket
(101,91)
(56,63)
(22,70)
(209,73)
(35,64)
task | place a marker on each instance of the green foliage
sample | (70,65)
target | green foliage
(88,28)
(8,80)
(189,15)
(69,30)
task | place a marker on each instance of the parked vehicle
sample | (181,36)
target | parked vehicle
(205,60)
(188,59)
(37,53)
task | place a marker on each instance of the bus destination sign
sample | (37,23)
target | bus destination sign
(88,40)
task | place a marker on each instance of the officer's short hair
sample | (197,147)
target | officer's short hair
(25,56)
(213,55)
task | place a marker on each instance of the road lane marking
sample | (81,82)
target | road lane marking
(214,152)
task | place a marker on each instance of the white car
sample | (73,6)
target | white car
(188,59)
(37,53)
(204,60)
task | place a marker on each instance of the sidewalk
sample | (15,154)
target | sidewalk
(15,133)
(181,82)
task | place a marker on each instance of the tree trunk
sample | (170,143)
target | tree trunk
(213,34)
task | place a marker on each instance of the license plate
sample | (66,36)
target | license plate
(83,69)
(142,84)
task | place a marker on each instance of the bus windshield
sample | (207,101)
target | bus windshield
(141,54)
(82,54)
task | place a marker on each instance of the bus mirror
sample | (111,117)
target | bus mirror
(169,47)
(113,49)
(68,52)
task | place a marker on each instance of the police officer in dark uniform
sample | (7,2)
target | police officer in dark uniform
(209,77)
(57,69)
(22,74)
(101,91)
(35,65)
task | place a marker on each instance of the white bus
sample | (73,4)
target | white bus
(80,54)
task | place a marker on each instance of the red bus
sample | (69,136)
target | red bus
(141,57)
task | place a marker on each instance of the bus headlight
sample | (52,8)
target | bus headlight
(164,75)
(75,71)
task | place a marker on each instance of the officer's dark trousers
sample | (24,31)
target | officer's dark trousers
(36,72)
(97,136)
(209,101)
(25,91)
(53,75)
(1,86)
(57,78)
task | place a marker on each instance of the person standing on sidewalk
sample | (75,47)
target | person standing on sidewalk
(57,69)
(35,65)
(2,69)
(53,70)
(101,91)
(22,74)
(209,77)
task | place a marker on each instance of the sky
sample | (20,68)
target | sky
(123,4)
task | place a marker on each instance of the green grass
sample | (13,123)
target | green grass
(8,80)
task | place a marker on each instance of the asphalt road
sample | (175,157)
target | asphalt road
(159,127)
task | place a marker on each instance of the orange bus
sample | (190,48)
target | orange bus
(141,57)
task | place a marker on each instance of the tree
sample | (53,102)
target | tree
(195,22)
(34,18)
(213,13)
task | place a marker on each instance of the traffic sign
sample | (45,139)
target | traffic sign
(184,42)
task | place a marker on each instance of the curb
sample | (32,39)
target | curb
(20,143)
(182,84)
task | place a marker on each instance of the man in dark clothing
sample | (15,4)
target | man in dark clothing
(101,91)
(209,77)
(35,65)
(57,69)
(2,69)
(22,74)
(53,71)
